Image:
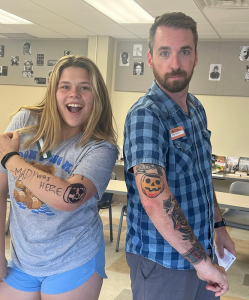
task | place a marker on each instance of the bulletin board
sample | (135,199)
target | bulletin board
(224,54)
(43,54)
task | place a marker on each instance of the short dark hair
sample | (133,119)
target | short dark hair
(173,20)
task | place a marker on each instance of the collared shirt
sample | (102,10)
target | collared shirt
(187,164)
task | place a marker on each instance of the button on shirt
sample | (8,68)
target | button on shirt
(187,164)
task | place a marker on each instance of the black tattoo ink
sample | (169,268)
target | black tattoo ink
(142,168)
(50,188)
(195,254)
(74,193)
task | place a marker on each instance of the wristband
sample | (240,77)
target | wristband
(220,224)
(7,156)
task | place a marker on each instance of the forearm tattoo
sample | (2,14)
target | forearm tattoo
(74,193)
(195,254)
(142,168)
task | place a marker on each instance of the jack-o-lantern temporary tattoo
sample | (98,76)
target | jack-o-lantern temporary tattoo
(152,185)
(74,193)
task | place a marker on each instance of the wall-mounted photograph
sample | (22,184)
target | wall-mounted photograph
(67,52)
(14,61)
(52,62)
(27,48)
(137,50)
(247,73)
(138,68)
(124,59)
(244,53)
(1,50)
(40,60)
(39,80)
(215,72)
(3,71)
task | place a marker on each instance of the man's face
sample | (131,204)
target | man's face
(174,58)
(138,70)
(244,52)
(124,58)
(215,69)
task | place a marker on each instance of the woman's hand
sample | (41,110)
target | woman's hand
(3,267)
(9,142)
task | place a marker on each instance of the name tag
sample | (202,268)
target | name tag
(177,132)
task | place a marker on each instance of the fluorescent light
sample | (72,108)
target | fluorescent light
(122,11)
(8,18)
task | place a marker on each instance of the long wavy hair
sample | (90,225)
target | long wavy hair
(98,126)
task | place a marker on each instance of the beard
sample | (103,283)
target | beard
(174,86)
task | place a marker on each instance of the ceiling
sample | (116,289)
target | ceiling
(56,19)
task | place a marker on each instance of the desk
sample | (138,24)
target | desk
(117,187)
(225,200)
(234,201)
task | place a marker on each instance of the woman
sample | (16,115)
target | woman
(57,158)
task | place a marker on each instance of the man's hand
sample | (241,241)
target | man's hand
(9,142)
(222,240)
(3,267)
(214,275)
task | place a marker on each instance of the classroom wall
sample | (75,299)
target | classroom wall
(227,119)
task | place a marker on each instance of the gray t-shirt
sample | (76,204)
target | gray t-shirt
(46,241)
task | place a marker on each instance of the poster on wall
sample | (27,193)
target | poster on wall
(39,80)
(124,59)
(137,50)
(138,68)
(3,70)
(67,52)
(28,69)
(14,61)
(1,50)
(247,73)
(244,53)
(27,48)
(52,62)
(40,60)
(215,72)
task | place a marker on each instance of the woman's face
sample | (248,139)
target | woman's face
(28,65)
(74,99)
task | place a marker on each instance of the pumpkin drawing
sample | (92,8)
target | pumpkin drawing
(152,185)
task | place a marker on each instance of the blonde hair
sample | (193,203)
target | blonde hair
(99,123)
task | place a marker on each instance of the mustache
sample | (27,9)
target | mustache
(177,72)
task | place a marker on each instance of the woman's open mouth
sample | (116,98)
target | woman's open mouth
(74,108)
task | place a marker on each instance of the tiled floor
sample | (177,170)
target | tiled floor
(117,286)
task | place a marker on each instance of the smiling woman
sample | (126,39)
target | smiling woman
(57,158)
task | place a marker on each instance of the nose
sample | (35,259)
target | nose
(74,92)
(174,61)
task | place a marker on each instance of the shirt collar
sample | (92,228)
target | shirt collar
(170,105)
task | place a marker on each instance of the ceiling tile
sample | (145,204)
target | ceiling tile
(232,27)
(227,15)
(175,5)
(62,5)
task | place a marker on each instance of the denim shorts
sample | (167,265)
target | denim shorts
(58,283)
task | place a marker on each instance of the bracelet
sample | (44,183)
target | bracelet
(7,156)
(220,224)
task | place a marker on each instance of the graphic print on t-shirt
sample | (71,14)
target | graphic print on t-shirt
(24,195)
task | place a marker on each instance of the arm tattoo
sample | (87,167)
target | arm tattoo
(215,202)
(152,185)
(196,254)
(142,168)
(74,193)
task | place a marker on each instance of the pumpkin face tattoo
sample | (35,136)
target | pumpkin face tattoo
(152,185)
(74,193)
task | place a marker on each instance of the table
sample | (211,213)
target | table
(117,187)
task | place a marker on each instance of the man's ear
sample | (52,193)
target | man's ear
(149,60)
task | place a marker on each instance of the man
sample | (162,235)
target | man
(244,53)
(138,69)
(215,74)
(171,206)
(124,59)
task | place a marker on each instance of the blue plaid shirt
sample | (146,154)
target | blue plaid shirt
(187,164)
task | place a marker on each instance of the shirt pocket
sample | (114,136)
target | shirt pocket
(183,155)
(207,143)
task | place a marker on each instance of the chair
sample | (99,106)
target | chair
(106,202)
(235,217)
(123,213)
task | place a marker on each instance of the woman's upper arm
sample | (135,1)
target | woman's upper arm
(3,185)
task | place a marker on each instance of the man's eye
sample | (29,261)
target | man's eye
(185,52)
(165,53)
